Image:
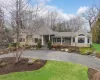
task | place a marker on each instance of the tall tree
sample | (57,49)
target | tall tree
(96,31)
(21,13)
(2,29)
(18,8)
(91,15)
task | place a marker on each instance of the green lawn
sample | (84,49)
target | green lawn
(97,47)
(53,70)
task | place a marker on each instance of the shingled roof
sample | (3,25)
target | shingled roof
(48,31)
(45,31)
(64,34)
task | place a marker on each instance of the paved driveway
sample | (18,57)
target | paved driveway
(61,56)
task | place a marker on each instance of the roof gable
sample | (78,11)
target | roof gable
(82,31)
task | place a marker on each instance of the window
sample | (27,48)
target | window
(36,40)
(88,40)
(20,40)
(58,39)
(63,39)
(81,35)
(23,40)
(73,39)
(54,39)
(81,40)
(66,39)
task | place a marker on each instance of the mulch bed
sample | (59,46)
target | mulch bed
(91,73)
(98,55)
(21,66)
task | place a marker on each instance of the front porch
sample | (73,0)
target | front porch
(55,40)
(61,40)
(45,39)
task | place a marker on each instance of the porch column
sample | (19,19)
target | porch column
(71,41)
(61,40)
(52,41)
(49,37)
(42,40)
(91,40)
(86,40)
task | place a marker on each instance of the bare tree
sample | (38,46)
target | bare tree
(18,7)
(73,24)
(21,13)
(76,23)
(1,26)
(90,15)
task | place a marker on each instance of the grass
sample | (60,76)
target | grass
(53,70)
(84,51)
(96,46)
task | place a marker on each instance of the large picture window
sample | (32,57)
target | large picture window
(73,39)
(54,39)
(81,40)
(88,40)
(20,40)
(58,39)
(81,35)
(36,40)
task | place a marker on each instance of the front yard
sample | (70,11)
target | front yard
(53,70)
(97,47)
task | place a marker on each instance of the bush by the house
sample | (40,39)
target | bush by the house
(64,46)
(39,45)
(57,46)
(2,64)
(49,44)
(28,46)
(86,51)
(12,46)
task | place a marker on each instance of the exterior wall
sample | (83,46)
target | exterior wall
(29,41)
(81,45)
(85,44)
(22,43)
(23,36)
(59,43)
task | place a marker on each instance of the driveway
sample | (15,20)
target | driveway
(61,56)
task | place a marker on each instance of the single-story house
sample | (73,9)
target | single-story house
(80,38)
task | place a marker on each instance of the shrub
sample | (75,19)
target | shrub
(56,46)
(3,64)
(28,46)
(49,44)
(12,46)
(39,45)
(64,46)
(86,51)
